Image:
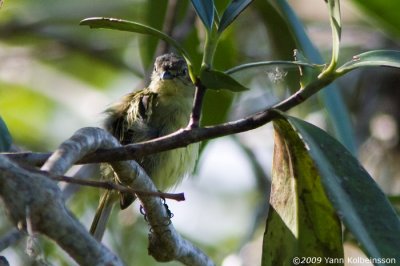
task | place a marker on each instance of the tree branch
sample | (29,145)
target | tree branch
(115,186)
(178,139)
(184,137)
(23,190)
(197,105)
(165,243)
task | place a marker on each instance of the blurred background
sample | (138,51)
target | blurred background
(57,76)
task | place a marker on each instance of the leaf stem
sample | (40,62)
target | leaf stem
(209,49)
(336,28)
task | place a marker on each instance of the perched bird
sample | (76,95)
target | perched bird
(160,109)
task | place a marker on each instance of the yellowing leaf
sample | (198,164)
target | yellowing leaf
(301,221)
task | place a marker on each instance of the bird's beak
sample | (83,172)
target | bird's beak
(166,75)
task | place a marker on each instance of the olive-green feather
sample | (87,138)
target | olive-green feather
(158,110)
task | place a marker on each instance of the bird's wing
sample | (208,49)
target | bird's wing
(128,121)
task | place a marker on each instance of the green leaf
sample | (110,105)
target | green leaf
(205,10)
(330,96)
(360,203)
(125,25)
(231,12)
(5,137)
(217,80)
(217,104)
(388,58)
(285,64)
(301,221)
(336,26)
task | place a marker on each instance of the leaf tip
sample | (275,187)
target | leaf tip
(87,21)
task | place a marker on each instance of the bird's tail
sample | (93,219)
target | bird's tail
(103,212)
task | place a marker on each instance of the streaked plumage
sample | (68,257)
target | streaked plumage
(160,109)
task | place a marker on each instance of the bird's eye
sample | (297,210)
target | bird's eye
(184,72)
(155,69)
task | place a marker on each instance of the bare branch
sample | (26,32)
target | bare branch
(84,141)
(165,242)
(178,139)
(85,172)
(197,105)
(115,186)
(21,189)
(184,137)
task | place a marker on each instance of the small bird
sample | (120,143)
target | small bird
(160,109)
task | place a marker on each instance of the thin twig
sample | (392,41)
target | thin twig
(197,105)
(85,172)
(184,137)
(107,185)
(21,189)
(115,186)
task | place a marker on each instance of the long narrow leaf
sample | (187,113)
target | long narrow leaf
(217,104)
(388,58)
(205,10)
(286,64)
(125,25)
(332,100)
(231,12)
(361,205)
(336,26)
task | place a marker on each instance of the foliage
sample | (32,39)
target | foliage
(5,137)
(317,182)
(350,189)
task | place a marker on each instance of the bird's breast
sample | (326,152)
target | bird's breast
(171,115)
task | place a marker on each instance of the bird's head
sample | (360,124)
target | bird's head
(170,70)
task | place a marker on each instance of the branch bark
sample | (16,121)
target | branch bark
(197,105)
(26,192)
(184,137)
(115,186)
(93,145)
(165,242)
